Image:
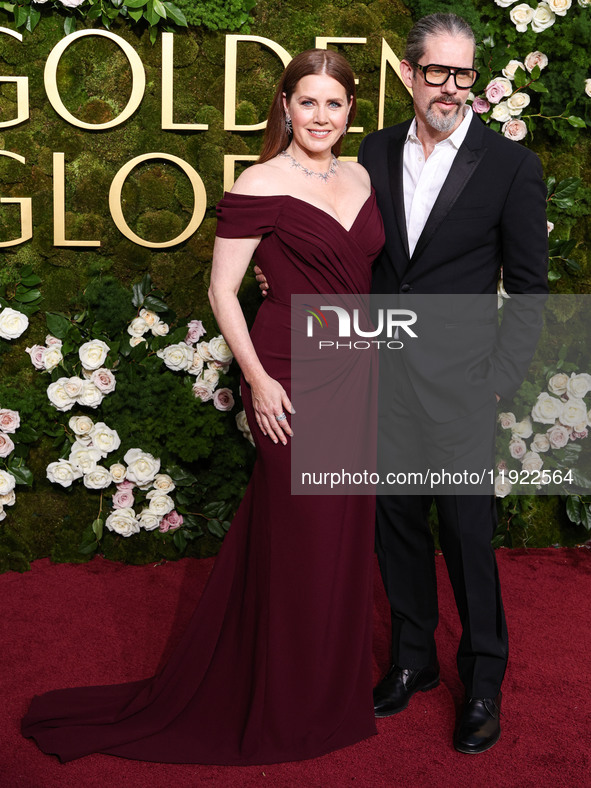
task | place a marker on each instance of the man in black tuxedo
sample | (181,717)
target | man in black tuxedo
(459,202)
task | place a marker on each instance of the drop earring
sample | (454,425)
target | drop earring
(288,124)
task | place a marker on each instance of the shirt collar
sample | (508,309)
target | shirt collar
(455,139)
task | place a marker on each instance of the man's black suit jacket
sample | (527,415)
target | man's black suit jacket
(490,214)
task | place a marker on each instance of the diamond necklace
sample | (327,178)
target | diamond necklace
(324,176)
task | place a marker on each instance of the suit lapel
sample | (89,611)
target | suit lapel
(395,171)
(467,159)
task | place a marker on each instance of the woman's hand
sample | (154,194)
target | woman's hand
(262,280)
(271,403)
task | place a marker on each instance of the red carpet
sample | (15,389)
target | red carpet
(63,625)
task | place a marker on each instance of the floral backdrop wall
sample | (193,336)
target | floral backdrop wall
(120,420)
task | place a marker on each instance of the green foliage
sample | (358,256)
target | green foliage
(154,13)
(218,14)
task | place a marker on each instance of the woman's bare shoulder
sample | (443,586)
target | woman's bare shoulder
(357,172)
(259,180)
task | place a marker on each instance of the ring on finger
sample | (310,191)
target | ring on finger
(281,416)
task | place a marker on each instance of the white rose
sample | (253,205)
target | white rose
(511,68)
(51,340)
(104,380)
(534,59)
(160,503)
(588,87)
(91,397)
(81,425)
(514,129)
(501,112)
(211,377)
(135,341)
(8,500)
(543,18)
(138,327)
(196,367)
(123,522)
(203,349)
(549,226)
(84,457)
(10,420)
(547,409)
(243,426)
(177,357)
(584,3)
(523,428)
(578,385)
(149,520)
(118,472)
(517,448)
(58,396)
(73,387)
(150,318)
(52,357)
(574,412)
(218,365)
(142,467)
(506,420)
(69,3)
(163,483)
(7,482)
(105,439)
(203,390)
(2,513)
(505,3)
(560,7)
(502,486)
(532,461)
(517,103)
(97,479)
(540,442)
(93,354)
(521,15)
(160,329)
(218,347)
(557,383)
(12,323)
(62,472)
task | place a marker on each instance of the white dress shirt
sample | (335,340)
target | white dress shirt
(422,180)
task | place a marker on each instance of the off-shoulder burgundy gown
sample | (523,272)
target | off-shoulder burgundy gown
(275,664)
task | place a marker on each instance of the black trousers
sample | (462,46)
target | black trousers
(410,439)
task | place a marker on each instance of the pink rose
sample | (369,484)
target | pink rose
(126,485)
(514,129)
(104,380)
(171,521)
(534,59)
(579,434)
(502,465)
(10,421)
(480,105)
(517,448)
(51,340)
(36,352)
(123,499)
(558,436)
(195,332)
(497,90)
(6,445)
(223,399)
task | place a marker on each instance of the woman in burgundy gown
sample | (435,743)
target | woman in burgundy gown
(275,664)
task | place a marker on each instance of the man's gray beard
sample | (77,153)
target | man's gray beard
(442,122)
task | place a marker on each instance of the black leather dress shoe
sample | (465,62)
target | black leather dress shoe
(479,726)
(399,685)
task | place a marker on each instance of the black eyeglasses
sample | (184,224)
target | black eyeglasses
(436,75)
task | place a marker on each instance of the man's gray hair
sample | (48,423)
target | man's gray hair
(435,25)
